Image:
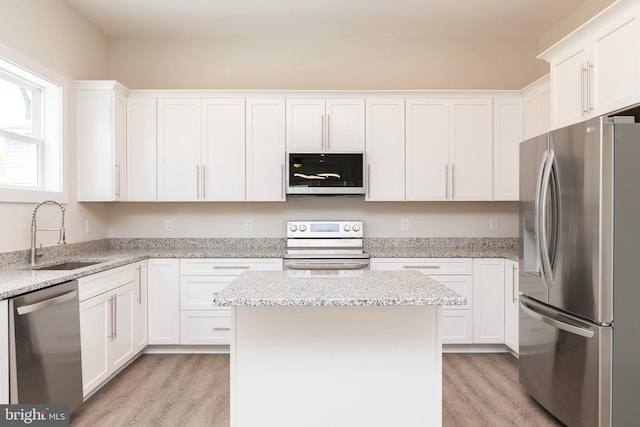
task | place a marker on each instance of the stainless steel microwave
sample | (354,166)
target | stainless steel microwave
(326,173)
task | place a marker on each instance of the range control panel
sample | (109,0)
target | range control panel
(324,229)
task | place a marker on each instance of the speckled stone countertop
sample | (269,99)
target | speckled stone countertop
(16,277)
(336,288)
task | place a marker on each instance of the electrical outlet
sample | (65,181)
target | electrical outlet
(248,224)
(168,224)
(493,224)
(404,224)
(87,227)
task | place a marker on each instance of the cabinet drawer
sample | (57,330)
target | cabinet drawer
(98,283)
(457,326)
(430,266)
(198,292)
(205,327)
(227,267)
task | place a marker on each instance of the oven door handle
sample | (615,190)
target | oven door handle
(326,265)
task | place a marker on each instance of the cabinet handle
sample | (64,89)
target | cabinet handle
(430,267)
(322,130)
(446,181)
(231,267)
(139,284)
(583,104)
(204,181)
(197,181)
(111,336)
(117,172)
(221,329)
(282,182)
(115,317)
(589,72)
(369,180)
(328,131)
(514,277)
(453,181)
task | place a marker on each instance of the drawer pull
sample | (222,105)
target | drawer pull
(430,267)
(221,329)
(231,267)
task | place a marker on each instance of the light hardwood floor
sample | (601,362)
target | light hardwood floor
(193,390)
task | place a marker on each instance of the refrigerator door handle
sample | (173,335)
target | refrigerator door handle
(576,330)
(544,226)
(537,219)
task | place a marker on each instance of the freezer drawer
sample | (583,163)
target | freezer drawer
(565,364)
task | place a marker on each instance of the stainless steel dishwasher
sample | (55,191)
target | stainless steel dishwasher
(44,343)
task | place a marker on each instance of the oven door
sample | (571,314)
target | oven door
(326,263)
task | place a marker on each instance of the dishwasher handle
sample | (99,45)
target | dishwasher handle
(26,309)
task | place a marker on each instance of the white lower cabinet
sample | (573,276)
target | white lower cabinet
(140,310)
(107,305)
(201,279)
(164,301)
(488,297)
(454,273)
(511,305)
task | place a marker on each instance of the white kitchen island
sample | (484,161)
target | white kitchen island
(336,348)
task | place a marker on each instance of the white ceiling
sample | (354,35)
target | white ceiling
(325,18)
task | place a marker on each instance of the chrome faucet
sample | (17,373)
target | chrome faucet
(34,230)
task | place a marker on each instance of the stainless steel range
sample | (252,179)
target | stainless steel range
(325,245)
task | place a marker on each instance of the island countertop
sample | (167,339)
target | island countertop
(336,288)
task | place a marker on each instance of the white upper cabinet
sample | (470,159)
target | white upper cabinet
(265,142)
(449,149)
(384,153)
(200,149)
(142,174)
(427,144)
(223,150)
(507,134)
(315,125)
(595,70)
(536,108)
(101,109)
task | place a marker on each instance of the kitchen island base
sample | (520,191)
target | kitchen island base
(324,366)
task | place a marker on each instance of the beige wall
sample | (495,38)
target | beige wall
(326,63)
(54,36)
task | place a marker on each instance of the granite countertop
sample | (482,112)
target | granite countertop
(336,288)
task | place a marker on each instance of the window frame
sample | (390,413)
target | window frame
(52,129)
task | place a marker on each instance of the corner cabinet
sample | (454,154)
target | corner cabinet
(536,108)
(384,153)
(335,125)
(507,135)
(164,301)
(488,297)
(142,173)
(101,108)
(595,70)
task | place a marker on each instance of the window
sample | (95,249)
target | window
(31,142)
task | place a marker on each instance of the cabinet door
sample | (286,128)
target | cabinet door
(471,149)
(568,79)
(119,146)
(344,125)
(385,149)
(615,76)
(265,146)
(140,309)
(488,304)
(223,150)
(142,175)
(4,352)
(95,332)
(511,307)
(179,149)
(121,346)
(164,301)
(427,144)
(506,159)
(305,125)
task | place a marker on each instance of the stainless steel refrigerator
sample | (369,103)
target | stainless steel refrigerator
(579,272)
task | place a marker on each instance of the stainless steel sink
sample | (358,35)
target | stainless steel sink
(68,265)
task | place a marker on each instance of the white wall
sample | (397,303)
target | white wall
(56,37)
(427,219)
